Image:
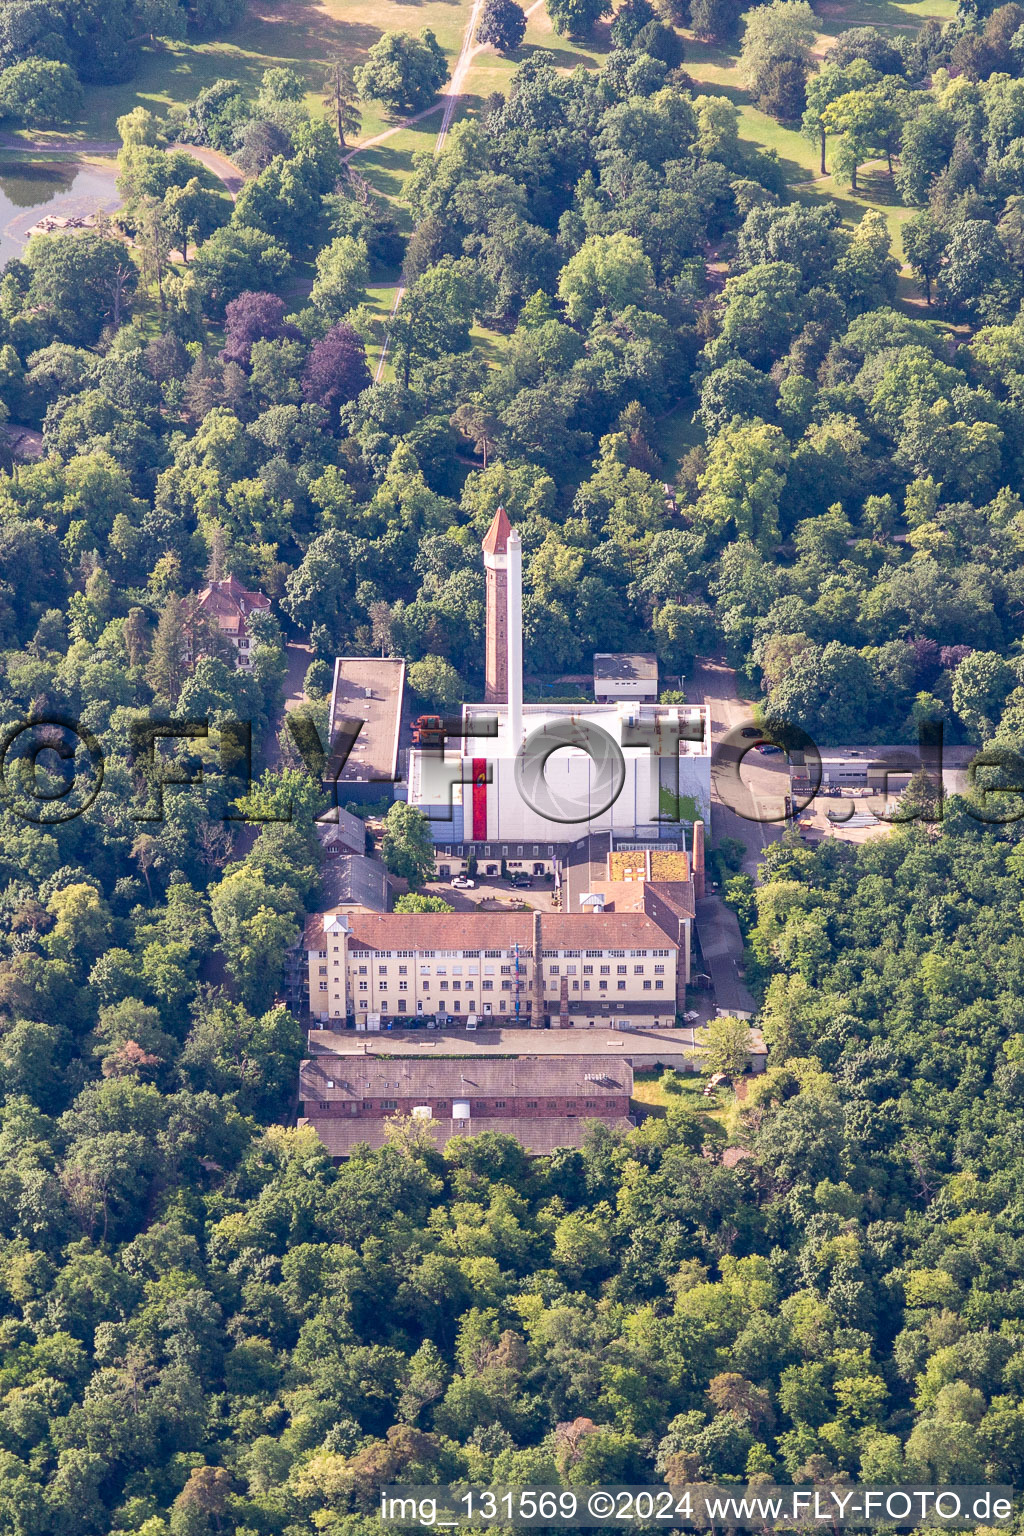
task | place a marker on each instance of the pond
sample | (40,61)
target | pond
(29,191)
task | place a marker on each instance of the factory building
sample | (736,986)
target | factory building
(544,1102)
(372,969)
(547,774)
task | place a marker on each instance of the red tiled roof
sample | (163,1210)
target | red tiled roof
(496,537)
(230,597)
(494,930)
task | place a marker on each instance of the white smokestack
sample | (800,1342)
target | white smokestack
(514,553)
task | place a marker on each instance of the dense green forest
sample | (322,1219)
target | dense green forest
(208,1329)
(853,504)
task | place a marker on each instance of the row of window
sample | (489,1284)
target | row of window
(501,954)
(602,986)
(506,970)
(506,986)
(475,1104)
(487,850)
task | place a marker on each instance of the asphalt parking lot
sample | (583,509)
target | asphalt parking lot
(494,895)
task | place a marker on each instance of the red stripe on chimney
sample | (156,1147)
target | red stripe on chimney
(479,799)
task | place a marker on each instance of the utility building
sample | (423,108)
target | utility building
(550,773)
(544,1102)
(625,678)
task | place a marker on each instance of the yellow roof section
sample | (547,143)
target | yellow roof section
(632,864)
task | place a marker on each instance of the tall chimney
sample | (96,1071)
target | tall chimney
(537,1012)
(496,573)
(514,630)
(698,859)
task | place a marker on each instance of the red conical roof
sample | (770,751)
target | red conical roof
(497,534)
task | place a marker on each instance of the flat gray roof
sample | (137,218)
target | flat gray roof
(638,666)
(370,689)
(722,945)
(581,1040)
(370,1077)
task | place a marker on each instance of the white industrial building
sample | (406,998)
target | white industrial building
(625,677)
(551,773)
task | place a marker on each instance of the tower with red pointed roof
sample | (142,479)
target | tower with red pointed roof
(495,547)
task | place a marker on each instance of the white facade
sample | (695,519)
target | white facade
(629,677)
(550,792)
(554,773)
(621,966)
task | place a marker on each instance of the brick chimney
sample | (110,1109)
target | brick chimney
(698,859)
(537,1016)
(495,549)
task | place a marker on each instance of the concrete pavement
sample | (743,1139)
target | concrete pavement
(766,779)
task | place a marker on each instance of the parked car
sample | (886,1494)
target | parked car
(749,731)
(766,747)
(520,881)
(463,883)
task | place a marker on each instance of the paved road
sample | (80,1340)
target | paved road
(505,897)
(224,169)
(721,946)
(297,657)
(766,779)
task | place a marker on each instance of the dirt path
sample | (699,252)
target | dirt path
(459,73)
(389,133)
(225,170)
(60,146)
(450,102)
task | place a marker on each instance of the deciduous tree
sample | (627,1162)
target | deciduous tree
(502,24)
(403,72)
(407,846)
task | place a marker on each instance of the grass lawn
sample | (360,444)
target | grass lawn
(489,344)
(648,1089)
(568,53)
(491,72)
(837,15)
(381,300)
(388,166)
(677,434)
(716,69)
(304,34)
(301,34)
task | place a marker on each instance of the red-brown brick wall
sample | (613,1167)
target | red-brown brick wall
(510,1108)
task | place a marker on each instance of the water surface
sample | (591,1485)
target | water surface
(29,191)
